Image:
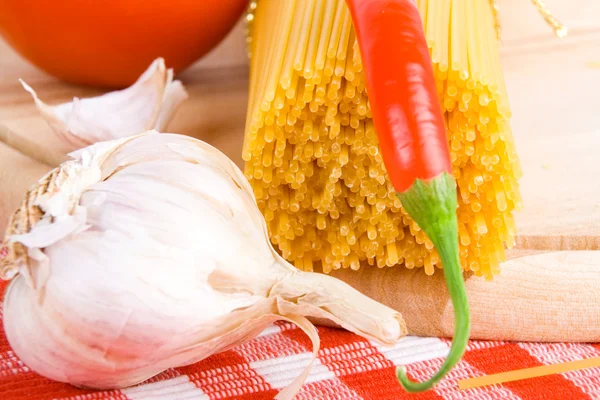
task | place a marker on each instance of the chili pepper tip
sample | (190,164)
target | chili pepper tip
(432,205)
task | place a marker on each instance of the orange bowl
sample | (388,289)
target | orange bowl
(110,43)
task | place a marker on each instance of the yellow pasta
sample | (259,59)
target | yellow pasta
(312,154)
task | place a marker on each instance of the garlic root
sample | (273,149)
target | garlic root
(149,252)
(17,173)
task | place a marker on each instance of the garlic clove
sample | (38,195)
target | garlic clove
(174,95)
(149,252)
(321,296)
(149,103)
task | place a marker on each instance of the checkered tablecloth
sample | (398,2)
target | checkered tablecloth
(348,367)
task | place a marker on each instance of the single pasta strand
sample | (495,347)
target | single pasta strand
(307,19)
(432,29)
(344,36)
(442,38)
(278,52)
(291,45)
(337,31)
(313,43)
(328,23)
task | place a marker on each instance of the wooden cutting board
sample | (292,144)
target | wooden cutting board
(554,88)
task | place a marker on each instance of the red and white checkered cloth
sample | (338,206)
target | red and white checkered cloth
(348,367)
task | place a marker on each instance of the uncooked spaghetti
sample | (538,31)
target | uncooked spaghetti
(312,154)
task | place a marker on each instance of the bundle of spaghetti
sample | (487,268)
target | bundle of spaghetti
(312,154)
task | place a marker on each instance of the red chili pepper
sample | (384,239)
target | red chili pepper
(412,137)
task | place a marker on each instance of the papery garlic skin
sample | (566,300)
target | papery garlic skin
(149,103)
(151,253)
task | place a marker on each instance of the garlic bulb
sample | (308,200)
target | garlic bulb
(149,103)
(149,252)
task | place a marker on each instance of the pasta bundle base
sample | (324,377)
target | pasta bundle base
(311,149)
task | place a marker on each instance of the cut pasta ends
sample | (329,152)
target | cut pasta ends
(312,154)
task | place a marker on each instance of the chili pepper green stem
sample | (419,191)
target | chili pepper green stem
(432,205)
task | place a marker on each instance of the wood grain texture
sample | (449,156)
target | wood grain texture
(550,297)
(554,91)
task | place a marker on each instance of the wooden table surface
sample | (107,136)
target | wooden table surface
(554,88)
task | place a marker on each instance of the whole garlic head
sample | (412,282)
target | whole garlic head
(149,252)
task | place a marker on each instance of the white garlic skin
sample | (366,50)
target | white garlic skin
(150,103)
(163,260)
